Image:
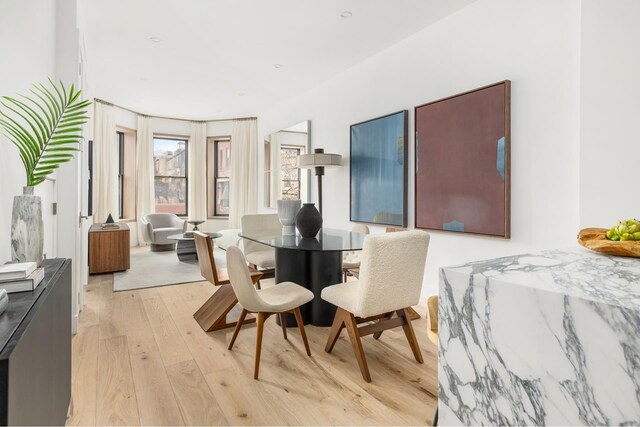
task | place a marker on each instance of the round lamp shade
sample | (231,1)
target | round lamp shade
(310,161)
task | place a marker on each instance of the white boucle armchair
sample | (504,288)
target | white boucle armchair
(158,226)
(390,281)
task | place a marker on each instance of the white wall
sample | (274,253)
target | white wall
(27,55)
(128,119)
(610,104)
(67,60)
(536,45)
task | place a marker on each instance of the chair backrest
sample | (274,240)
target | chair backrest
(161,220)
(259,225)
(241,280)
(394,229)
(204,248)
(391,271)
(360,228)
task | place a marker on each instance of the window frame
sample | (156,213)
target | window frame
(216,141)
(121,147)
(185,139)
(299,180)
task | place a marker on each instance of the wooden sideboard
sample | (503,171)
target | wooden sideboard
(108,249)
(35,351)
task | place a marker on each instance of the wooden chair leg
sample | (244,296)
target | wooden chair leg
(388,316)
(336,329)
(284,327)
(238,326)
(258,286)
(345,275)
(411,336)
(261,318)
(300,323)
(354,336)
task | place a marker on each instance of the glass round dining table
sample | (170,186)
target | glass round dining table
(314,263)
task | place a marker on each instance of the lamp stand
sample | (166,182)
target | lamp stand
(319,173)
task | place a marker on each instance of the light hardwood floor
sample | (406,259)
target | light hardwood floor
(140,358)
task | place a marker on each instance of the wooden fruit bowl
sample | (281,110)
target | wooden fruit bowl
(596,240)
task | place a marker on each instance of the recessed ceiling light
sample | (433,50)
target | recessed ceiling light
(155,39)
(277,65)
(346,14)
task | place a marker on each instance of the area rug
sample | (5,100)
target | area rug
(151,269)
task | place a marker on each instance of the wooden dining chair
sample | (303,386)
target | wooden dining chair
(213,314)
(285,297)
(390,282)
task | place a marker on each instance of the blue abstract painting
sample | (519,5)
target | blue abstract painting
(379,170)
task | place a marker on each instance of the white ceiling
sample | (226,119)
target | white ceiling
(216,57)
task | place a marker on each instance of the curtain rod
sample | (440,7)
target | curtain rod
(102,101)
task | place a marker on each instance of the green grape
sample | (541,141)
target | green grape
(625,231)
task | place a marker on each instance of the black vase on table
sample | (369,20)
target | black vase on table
(308,220)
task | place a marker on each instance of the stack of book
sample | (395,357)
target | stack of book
(20,277)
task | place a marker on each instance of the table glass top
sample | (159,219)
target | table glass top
(183,237)
(328,239)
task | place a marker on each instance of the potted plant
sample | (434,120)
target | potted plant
(46,128)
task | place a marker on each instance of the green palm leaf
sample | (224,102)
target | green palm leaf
(46,129)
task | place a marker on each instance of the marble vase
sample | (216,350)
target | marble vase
(27,229)
(287,211)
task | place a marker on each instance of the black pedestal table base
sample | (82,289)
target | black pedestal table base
(315,270)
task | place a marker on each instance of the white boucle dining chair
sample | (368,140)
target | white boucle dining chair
(351,259)
(391,273)
(285,297)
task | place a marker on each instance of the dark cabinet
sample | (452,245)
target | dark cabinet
(35,360)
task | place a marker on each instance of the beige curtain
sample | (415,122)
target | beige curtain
(106,164)
(145,189)
(243,185)
(198,172)
(275,190)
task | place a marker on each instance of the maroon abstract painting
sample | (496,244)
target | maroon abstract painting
(463,162)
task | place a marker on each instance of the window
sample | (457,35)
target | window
(170,168)
(282,178)
(218,158)
(120,141)
(126,145)
(290,173)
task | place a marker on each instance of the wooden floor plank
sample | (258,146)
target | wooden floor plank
(242,399)
(172,347)
(156,402)
(195,399)
(85,346)
(117,403)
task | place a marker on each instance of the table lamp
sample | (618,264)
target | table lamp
(318,161)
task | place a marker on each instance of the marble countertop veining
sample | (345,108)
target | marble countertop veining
(577,272)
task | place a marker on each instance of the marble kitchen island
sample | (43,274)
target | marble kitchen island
(551,338)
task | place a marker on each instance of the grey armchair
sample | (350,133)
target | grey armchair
(158,226)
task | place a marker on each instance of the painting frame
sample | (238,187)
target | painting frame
(405,171)
(419,217)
